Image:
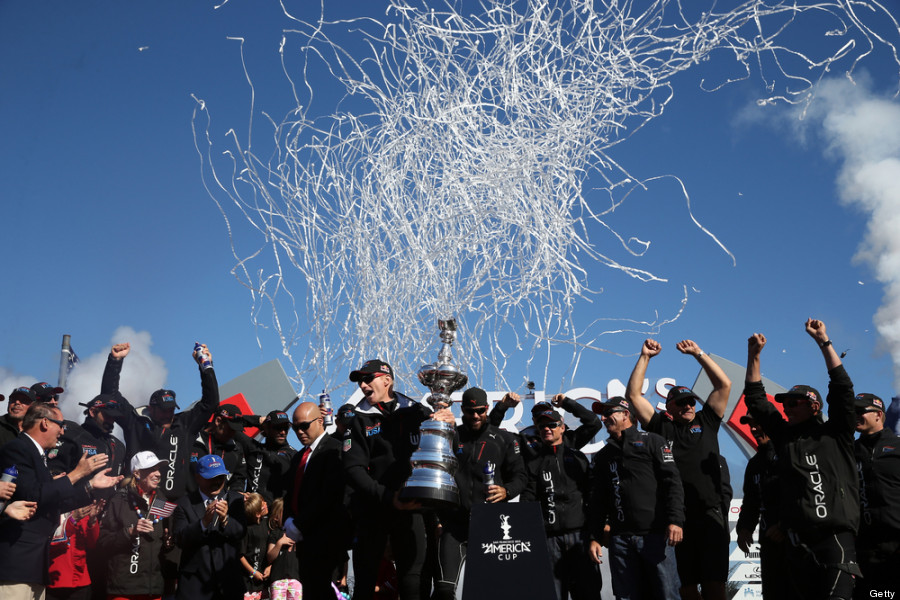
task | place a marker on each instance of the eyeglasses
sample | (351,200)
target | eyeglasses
(367,379)
(62,424)
(475,411)
(282,428)
(304,425)
(550,425)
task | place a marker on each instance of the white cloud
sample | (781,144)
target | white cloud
(862,129)
(144,374)
(10,381)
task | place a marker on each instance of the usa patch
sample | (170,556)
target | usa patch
(696,429)
(638,443)
(91,450)
(373,430)
(887,449)
(667,455)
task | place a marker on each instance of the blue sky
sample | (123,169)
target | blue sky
(107,223)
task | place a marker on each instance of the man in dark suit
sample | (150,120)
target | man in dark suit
(315,503)
(25,545)
(209,526)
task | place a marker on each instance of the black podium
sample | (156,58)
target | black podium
(507,555)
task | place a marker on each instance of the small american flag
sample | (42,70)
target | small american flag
(161,508)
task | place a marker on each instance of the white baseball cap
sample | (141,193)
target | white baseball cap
(145,460)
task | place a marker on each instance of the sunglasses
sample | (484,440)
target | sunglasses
(475,411)
(367,379)
(304,425)
(62,424)
(550,425)
(685,402)
(282,428)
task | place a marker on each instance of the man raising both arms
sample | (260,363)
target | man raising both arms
(692,435)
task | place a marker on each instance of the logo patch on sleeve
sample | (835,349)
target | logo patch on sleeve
(347,444)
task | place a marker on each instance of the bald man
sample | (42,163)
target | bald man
(315,503)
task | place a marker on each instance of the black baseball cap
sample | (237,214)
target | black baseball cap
(474,397)
(44,391)
(371,367)
(866,402)
(800,391)
(277,417)
(164,399)
(611,405)
(231,414)
(24,391)
(679,392)
(108,403)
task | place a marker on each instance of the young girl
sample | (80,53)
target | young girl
(254,549)
(280,554)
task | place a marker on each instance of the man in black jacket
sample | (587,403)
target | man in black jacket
(559,478)
(315,503)
(760,506)
(482,452)
(530,437)
(376,452)
(637,507)
(268,462)
(878,465)
(209,525)
(693,436)
(162,431)
(25,545)
(93,436)
(819,499)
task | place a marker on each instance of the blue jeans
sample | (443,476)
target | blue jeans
(643,566)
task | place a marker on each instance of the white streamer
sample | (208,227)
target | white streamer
(460,182)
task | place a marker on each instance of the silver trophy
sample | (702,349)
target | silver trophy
(433,463)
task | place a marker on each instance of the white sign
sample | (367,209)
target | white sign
(747,571)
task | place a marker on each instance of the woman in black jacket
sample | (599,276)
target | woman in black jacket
(133,533)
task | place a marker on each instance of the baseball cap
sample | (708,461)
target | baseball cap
(474,397)
(371,367)
(800,391)
(346,412)
(680,392)
(43,390)
(210,466)
(277,417)
(611,405)
(548,415)
(231,414)
(108,403)
(145,460)
(164,399)
(28,393)
(869,401)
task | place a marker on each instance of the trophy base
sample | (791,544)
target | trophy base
(431,497)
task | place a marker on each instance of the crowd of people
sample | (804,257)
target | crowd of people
(188,506)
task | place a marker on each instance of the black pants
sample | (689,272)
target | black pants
(774,566)
(821,566)
(452,547)
(574,574)
(406,531)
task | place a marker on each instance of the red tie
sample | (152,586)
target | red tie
(298,479)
